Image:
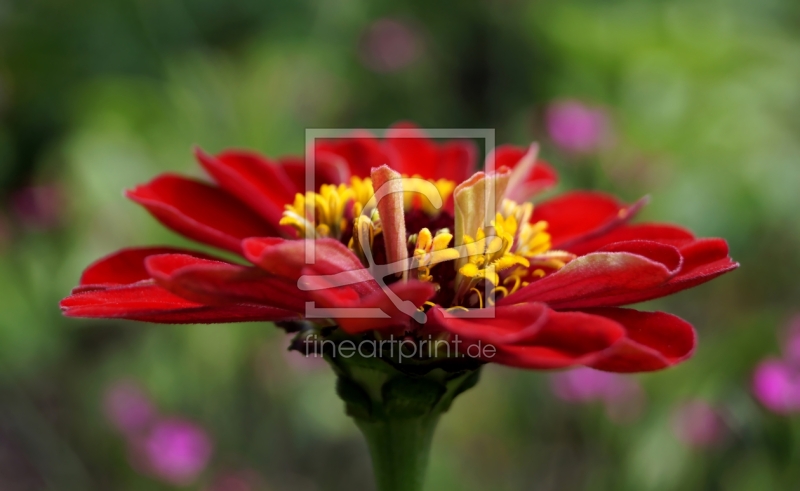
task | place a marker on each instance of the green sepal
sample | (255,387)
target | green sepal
(406,397)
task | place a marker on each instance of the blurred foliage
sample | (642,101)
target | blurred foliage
(98,96)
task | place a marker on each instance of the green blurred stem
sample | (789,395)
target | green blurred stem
(400,449)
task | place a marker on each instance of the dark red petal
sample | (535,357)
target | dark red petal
(148,302)
(703,260)
(658,232)
(360,151)
(328,169)
(220,283)
(410,151)
(200,211)
(261,184)
(124,267)
(589,281)
(541,178)
(385,314)
(506,155)
(654,340)
(665,254)
(456,161)
(287,259)
(508,324)
(582,215)
(325,291)
(565,339)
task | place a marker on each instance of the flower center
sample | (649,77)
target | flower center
(497,260)
(328,213)
(511,254)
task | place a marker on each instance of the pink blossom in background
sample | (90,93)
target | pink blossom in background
(175,451)
(698,424)
(776,385)
(389,45)
(575,127)
(39,207)
(776,381)
(128,408)
(622,396)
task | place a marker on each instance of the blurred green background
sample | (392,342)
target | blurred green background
(701,110)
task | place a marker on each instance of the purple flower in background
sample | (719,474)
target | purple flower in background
(622,396)
(172,450)
(389,45)
(776,381)
(776,384)
(39,207)
(128,408)
(698,424)
(175,451)
(575,127)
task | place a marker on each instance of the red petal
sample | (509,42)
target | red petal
(261,184)
(360,152)
(657,232)
(582,215)
(410,151)
(509,324)
(124,267)
(199,211)
(150,303)
(655,251)
(540,178)
(456,161)
(548,340)
(220,283)
(414,293)
(328,169)
(703,260)
(287,258)
(654,340)
(598,278)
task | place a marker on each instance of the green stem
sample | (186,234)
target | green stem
(397,408)
(400,450)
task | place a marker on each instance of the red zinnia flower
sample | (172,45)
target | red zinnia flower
(556,274)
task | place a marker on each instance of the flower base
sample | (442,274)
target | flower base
(397,407)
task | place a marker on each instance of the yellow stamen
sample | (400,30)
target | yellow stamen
(326,214)
(364,232)
(414,197)
(489,255)
(480,296)
(532,239)
(493,294)
(430,251)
